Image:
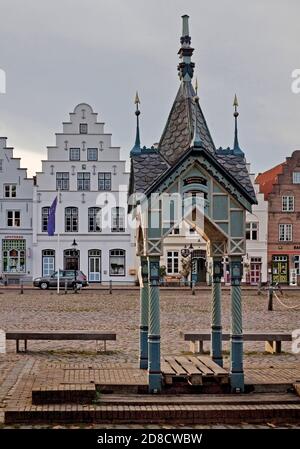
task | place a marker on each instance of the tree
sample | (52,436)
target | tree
(185,267)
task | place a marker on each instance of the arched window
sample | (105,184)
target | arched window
(118,219)
(117,262)
(45,215)
(94,218)
(48,262)
(71,219)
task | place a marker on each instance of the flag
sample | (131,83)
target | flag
(51,218)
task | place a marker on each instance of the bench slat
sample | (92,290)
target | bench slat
(247,336)
(53,335)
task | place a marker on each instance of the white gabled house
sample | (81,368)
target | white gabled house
(16,192)
(86,173)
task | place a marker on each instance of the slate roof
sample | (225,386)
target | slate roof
(146,168)
(179,130)
(237,167)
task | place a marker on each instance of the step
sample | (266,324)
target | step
(64,393)
(188,414)
(200,399)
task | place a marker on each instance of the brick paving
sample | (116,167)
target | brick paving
(119,312)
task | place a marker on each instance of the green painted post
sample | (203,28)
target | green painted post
(154,371)
(236,368)
(216,324)
(144,314)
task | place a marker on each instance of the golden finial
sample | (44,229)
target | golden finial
(235,101)
(137,100)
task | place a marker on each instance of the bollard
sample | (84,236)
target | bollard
(66,287)
(270,297)
(259,288)
(110,287)
(193,288)
(22,288)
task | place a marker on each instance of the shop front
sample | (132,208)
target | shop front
(13,259)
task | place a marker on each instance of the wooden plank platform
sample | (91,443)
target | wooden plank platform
(192,369)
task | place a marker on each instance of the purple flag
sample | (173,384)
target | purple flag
(51,218)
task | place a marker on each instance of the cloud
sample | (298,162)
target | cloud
(60,53)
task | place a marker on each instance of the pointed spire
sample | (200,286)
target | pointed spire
(185,67)
(137,146)
(236,146)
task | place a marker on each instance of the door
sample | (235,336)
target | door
(71,259)
(201,270)
(255,273)
(94,265)
(280,269)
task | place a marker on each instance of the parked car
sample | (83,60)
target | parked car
(68,276)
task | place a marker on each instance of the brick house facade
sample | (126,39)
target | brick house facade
(281,187)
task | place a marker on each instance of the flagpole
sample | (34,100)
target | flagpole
(58,240)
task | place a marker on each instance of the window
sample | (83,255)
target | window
(94,216)
(62,181)
(172,262)
(45,215)
(104,181)
(175,231)
(287,204)
(48,262)
(10,190)
(14,256)
(14,218)
(296,177)
(297,264)
(83,128)
(252,230)
(285,232)
(118,219)
(117,262)
(1,164)
(71,219)
(83,181)
(92,154)
(74,154)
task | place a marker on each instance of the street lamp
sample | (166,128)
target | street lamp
(186,252)
(75,253)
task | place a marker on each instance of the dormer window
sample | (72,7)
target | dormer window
(83,128)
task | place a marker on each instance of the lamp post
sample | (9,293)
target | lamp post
(75,253)
(186,252)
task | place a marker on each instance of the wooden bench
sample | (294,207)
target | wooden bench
(272,339)
(58,335)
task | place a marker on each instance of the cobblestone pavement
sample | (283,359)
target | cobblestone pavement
(119,312)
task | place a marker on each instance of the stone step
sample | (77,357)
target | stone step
(200,399)
(64,393)
(188,414)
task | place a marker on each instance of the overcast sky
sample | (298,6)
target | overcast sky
(59,53)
